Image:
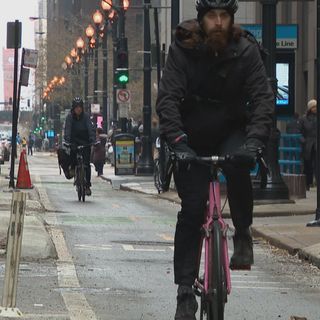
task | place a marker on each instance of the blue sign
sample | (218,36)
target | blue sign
(286,35)
(50,134)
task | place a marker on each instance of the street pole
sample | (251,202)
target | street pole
(276,189)
(105,78)
(115,50)
(121,13)
(145,164)
(86,85)
(95,71)
(175,16)
(316,222)
(17,36)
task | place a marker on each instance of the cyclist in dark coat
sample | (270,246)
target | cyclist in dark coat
(214,98)
(78,130)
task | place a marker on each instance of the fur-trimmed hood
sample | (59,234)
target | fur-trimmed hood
(190,36)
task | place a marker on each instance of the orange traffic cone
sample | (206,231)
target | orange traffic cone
(23,180)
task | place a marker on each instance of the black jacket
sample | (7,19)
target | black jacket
(308,129)
(79,131)
(207,96)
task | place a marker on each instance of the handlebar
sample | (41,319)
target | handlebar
(220,160)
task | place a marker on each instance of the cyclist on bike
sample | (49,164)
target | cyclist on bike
(78,131)
(214,98)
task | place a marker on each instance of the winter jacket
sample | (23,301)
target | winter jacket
(98,154)
(79,131)
(207,96)
(308,129)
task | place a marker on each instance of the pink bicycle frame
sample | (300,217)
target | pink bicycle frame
(214,206)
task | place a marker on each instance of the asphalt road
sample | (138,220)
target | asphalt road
(115,261)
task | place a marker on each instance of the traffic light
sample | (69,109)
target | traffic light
(122,71)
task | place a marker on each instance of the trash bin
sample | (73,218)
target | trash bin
(124,154)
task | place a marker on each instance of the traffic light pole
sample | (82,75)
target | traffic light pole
(123,120)
(105,79)
(316,221)
(145,164)
(115,86)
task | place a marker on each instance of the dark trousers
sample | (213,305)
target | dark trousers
(99,167)
(30,150)
(310,168)
(192,183)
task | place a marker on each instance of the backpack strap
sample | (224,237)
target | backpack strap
(263,51)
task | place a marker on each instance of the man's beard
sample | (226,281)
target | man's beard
(217,40)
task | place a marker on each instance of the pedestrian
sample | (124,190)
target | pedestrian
(30,145)
(293,126)
(24,143)
(308,129)
(98,154)
(214,98)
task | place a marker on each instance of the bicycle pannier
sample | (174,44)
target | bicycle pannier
(65,162)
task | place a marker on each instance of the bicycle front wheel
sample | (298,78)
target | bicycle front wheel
(217,276)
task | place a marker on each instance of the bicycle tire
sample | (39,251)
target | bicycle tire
(156,176)
(217,276)
(83,184)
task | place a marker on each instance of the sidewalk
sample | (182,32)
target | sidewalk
(36,241)
(282,225)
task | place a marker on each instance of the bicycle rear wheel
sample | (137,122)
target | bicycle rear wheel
(215,310)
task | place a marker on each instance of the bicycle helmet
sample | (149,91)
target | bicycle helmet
(77,101)
(203,6)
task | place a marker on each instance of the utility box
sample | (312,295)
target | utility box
(124,154)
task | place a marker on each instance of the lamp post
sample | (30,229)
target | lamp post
(145,164)
(89,33)
(108,14)
(97,20)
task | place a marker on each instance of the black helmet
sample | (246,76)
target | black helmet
(203,6)
(77,101)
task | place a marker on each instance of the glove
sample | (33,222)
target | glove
(181,149)
(247,153)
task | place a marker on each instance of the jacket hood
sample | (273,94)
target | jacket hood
(190,36)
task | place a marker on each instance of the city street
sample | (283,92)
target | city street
(115,261)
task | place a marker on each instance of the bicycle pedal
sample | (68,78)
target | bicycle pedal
(239,268)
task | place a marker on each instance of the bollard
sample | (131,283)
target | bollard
(13,253)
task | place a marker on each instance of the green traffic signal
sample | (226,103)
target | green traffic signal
(122,76)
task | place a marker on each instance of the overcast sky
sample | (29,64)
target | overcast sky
(17,10)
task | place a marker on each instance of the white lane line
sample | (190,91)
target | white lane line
(76,303)
(129,247)
(92,247)
(260,288)
(261,282)
(54,316)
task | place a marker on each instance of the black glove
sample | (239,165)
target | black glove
(247,153)
(181,149)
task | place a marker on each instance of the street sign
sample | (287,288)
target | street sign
(30,58)
(123,96)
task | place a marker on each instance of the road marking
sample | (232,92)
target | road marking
(92,247)
(53,316)
(129,247)
(260,288)
(76,303)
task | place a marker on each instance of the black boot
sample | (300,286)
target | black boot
(242,257)
(187,305)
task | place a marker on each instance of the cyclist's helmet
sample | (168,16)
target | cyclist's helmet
(77,101)
(203,6)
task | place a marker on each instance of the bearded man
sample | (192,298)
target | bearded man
(214,98)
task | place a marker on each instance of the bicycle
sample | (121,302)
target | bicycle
(215,284)
(163,166)
(80,173)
